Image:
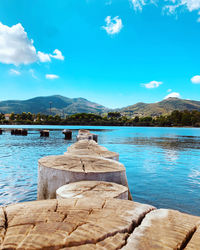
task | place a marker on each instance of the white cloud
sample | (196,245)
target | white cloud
(170,6)
(51,76)
(195,79)
(43,57)
(152,84)
(113,25)
(173,94)
(16,48)
(138,4)
(169,90)
(57,54)
(14,72)
(189,4)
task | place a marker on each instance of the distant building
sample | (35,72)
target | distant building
(7,117)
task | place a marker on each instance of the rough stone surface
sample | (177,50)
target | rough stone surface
(163,229)
(2,224)
(194,243)
(90,147)
(56,171)
(71,224)
(92,224)
(84,134)
(86,189)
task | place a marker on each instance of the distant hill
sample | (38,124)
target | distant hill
(160,108)
(68,106)
(60,105)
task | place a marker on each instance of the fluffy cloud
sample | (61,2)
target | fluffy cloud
(57,54)
(173,94)
(43,57)
(195,79)
(51,76)
(152,84)
(113,25)
(14,72)
(16,48)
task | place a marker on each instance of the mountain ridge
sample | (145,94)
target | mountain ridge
(163,107)
(67,106)
(59,105)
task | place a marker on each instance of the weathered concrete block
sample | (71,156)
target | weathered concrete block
(164,229)
(92,189)
(70,224)
(91,148)
(56,171)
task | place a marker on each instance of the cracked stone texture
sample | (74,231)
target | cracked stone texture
(86,189)
(70,223)
(164,229)
(90,147)
(194,243)
(2,224)
(56,171)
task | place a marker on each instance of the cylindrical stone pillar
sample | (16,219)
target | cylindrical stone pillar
(44,133)
(68,134)
(91,148)
(56,171)
(24,132)
(92,189)
(84,134)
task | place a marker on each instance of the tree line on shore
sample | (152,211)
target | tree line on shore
(176,118)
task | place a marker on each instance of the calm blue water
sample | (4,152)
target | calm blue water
(162,164)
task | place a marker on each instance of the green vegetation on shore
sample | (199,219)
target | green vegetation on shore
(176,118)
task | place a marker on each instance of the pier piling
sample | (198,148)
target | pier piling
(68,134)
(56,171)
(44,133)
(84,134)
(92,189)
(19,132)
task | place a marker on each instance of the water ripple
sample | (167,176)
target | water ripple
(162,164)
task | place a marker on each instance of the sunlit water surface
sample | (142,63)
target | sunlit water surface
(162,164)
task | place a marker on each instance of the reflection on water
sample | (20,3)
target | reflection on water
(171,143)
(162,164)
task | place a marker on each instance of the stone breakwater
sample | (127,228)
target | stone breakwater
(92,210)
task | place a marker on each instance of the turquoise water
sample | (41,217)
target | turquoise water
(162,164)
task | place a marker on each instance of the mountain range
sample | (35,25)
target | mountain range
(61,105)
(160,108)
(55,104)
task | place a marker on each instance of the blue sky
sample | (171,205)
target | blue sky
(113,52)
